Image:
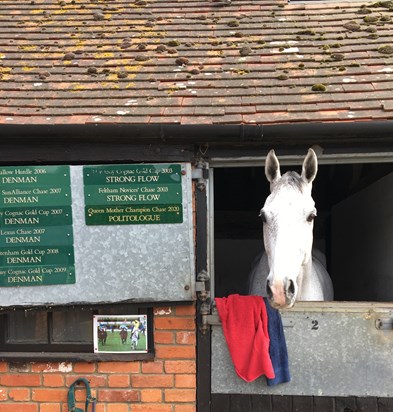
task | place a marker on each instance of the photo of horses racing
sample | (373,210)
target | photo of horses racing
(120,333)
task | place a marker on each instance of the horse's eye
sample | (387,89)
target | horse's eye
(262,216)
(311,216)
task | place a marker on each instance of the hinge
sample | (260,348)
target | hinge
(200,285)
(203,295)
(200,173)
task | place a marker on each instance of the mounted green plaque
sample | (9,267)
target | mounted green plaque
(133,194)
(36,233)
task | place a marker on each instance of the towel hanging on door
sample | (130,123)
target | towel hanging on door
(245,326)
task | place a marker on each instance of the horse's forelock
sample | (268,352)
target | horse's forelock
(292,179)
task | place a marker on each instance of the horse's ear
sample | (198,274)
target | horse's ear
(272,167)
(310,166)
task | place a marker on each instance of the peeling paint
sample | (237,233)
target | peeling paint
(162,311)
(61,367)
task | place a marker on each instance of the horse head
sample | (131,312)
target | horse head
(288,218)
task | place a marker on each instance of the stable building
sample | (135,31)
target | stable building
(133,138)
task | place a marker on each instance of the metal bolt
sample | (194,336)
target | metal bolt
(187,287)
(201,186)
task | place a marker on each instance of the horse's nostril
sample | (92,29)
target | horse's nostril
(268,290)
(290,287)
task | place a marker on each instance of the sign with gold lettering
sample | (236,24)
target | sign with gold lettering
(127,234)
(133,194)
(36,232)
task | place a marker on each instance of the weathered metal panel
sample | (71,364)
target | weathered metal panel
(121,262)
(332,352)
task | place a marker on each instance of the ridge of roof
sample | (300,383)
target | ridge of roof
(194,62)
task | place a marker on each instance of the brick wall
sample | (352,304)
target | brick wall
(167,384)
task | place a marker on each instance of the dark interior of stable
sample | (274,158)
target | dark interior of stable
(355,206)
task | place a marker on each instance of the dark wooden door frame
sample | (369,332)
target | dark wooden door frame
(203,389)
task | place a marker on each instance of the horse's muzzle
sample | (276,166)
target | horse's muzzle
(281,294)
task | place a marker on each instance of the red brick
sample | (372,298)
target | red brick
(153,367)
(180,366)
(83,367)
(49,367)
(19,394)
(80,394)
(25,407)
(94,380)
(172,323)
(49,395)
(164,337)
(180,395)
(20,380)
(151,395)
(175,352)
(152,381)
(186,408)
(186,338)
(159,407)
(53,380)
(162,311)
(100,407)
(118,381)
(185,381)
(3,367)
(50,407)
(188,310)
(110,395)
(19,367)
(117,407)
(3,394)
(119,367)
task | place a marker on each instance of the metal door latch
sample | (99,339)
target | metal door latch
(384,324)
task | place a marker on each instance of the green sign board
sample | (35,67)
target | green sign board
(133,194)
(36,236)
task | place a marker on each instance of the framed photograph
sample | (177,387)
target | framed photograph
(120,333)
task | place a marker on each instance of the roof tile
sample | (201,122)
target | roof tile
(191,62)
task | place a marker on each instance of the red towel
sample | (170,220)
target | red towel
(245,326)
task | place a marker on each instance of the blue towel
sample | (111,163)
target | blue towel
(278,347)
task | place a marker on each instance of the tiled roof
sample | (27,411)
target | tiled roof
(194,62)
